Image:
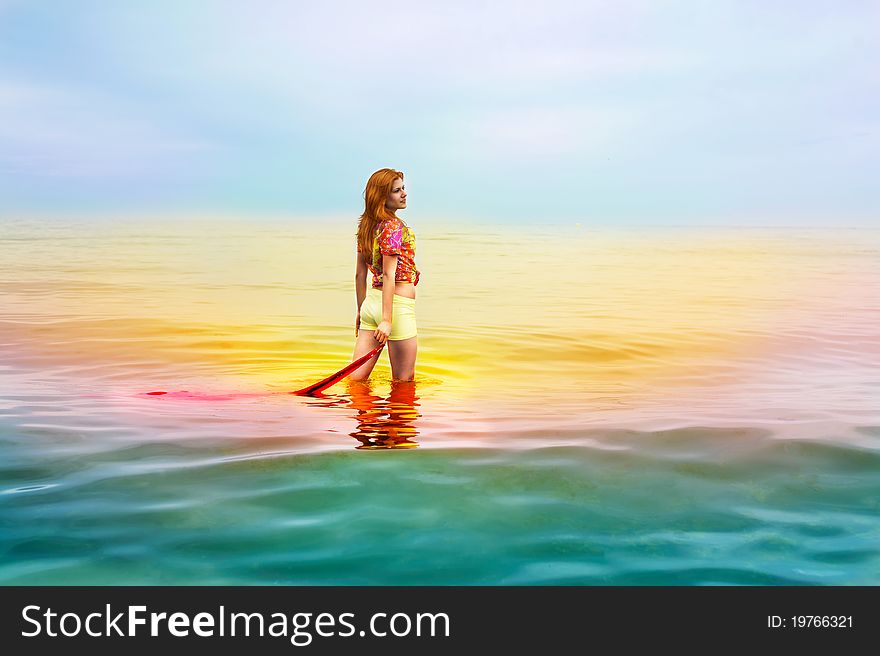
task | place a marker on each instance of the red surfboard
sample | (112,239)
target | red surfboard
(339,375)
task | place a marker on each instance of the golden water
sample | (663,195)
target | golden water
(583,326)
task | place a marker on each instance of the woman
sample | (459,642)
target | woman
(386,247)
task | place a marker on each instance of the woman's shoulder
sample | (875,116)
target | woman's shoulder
(391,225)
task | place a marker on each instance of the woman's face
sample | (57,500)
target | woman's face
(397,196)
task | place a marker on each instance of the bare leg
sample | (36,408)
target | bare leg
(402,353)
(365,343)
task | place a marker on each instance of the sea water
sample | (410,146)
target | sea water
(592,406)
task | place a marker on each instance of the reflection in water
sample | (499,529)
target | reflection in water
(385,423)
(325,400)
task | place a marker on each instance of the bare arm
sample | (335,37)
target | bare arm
(389,271)
(360,280)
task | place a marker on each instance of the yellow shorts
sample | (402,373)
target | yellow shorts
(403,314)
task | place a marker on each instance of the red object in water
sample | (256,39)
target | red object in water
(339,375)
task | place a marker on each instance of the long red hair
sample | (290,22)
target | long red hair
(377,190)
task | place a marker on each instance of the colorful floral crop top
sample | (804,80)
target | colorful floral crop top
(394,238)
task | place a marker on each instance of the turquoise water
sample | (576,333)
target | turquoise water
(714,422)
(671,508)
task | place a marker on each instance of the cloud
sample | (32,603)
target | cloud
(75,133)
(275,101)
(549,131)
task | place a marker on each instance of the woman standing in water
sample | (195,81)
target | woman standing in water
(386,247)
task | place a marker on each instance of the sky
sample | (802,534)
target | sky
(646,113)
